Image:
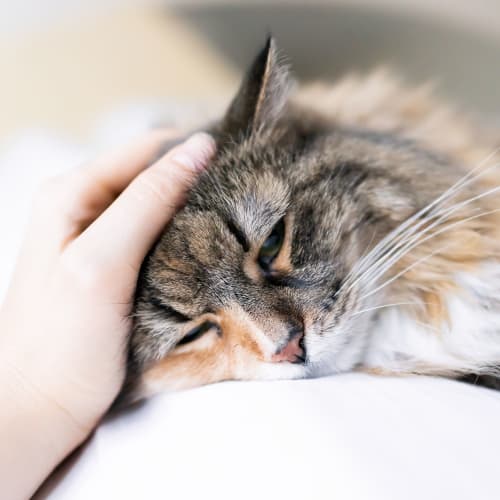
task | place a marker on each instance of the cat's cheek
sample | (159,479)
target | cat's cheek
(187,370)
(173,375)
(241,350)
(211,359)
(338,349)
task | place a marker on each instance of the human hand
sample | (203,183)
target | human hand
(65,321)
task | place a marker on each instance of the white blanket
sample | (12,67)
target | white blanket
(345,437)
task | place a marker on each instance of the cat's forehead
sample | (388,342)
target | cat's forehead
(246,186)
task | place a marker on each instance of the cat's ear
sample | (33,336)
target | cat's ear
(261,96)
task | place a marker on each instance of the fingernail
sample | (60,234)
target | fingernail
(196,152)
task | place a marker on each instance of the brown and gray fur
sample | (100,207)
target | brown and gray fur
(344,166)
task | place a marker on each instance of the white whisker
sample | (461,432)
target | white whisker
(404,271)
(419,261)
(401,247)
(406,229)
(385,306)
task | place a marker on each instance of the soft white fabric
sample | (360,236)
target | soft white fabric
(349,437)
(346,437)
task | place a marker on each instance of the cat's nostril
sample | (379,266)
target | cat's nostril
(294,351)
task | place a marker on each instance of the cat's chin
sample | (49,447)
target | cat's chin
(274,371)
(336,351)
(332,351)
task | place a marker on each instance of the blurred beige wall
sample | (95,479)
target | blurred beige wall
(65,62)
(64,72)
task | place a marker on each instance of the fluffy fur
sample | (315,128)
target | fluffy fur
(390,254)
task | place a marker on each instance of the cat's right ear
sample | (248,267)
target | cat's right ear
(261,97)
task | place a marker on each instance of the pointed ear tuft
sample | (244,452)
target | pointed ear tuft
(262,94)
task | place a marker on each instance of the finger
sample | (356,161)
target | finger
(88,191)
(67,204)
(114,171)
(128,228)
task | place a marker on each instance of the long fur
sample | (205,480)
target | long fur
(390,257)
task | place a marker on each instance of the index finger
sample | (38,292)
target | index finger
(114,171)
(129,226)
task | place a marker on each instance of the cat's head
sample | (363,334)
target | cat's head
(250,279)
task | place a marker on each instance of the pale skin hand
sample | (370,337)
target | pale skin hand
(65,322)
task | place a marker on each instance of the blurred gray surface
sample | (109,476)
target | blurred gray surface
(325,41)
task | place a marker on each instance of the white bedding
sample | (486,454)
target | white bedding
(344,437)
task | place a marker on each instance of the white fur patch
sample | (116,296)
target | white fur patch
(469,343)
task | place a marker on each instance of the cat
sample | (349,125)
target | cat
(340,227)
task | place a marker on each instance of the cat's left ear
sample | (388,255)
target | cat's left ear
(262,94)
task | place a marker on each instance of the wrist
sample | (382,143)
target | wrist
(36,433)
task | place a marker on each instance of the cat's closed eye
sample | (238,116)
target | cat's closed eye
(196,333)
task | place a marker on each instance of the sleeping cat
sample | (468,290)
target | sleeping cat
(351,226)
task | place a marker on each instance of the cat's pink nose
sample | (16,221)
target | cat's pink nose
(293,352)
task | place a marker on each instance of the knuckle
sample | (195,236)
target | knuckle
(160,187)
(150,186)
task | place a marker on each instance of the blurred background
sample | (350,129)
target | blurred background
(77,76)
(66,64)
